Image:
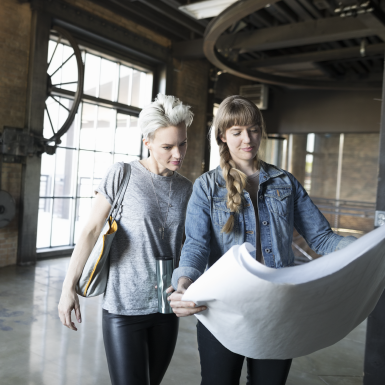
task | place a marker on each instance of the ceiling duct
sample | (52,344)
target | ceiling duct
(258,94)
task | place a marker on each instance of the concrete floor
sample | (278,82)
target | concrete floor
(36,349)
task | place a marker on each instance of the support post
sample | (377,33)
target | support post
(374,366)
(37,83)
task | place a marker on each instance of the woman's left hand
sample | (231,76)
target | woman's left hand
(180,307)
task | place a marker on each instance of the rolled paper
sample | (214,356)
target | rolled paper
(266,313)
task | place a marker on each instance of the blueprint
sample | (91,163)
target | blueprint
(267,313)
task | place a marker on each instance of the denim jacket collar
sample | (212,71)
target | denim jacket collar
(267,171)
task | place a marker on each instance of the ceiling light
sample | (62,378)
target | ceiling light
(205,9)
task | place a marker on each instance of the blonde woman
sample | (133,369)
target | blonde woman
(139,341)
(244,200)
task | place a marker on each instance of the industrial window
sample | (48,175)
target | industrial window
(100,135)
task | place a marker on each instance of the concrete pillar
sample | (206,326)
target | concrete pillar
(374,366)
(29,200)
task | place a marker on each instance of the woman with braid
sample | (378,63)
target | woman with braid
(244,200)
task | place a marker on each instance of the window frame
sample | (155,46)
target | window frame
(110,50)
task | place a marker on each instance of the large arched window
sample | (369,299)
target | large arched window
(103,132)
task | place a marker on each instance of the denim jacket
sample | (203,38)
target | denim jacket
(283,204)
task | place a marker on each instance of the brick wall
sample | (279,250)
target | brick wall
(190,84)
(325,166)
(359,174)
(10,182)
(360,167)
(15,32)
(15,26)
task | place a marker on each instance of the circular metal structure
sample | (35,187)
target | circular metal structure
(7,208)
(238,11)
(55,91)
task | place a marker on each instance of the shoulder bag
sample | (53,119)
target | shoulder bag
(95,273)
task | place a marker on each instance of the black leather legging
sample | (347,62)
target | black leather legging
(220,366)
(139,348)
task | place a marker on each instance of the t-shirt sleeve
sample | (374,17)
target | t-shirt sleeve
(111,181)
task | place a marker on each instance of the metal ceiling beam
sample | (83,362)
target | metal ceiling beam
(299,34)
(147,17)
(175,15)
(310,8)
(316,56)
(192,49)
(262,19)
(297,8)
(287,12)
(238,11)
(290,35)
(374,22)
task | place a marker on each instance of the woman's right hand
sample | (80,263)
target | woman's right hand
(69,301)
(183,308)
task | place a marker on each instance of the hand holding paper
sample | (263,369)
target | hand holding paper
(266,313)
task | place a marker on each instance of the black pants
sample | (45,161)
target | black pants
(139,348)
(219,366)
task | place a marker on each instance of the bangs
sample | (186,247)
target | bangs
(237,113)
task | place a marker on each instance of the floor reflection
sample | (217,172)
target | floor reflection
(36,349)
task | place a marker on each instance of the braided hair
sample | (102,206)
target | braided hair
(235,110)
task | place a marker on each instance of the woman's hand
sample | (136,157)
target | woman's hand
(183,308)
(69,301)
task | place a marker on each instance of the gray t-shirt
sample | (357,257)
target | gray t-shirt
(132,278)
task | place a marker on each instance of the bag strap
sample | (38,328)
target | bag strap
(120,194)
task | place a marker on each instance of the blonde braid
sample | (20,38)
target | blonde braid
(235,181)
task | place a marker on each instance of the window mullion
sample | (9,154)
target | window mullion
(75,174)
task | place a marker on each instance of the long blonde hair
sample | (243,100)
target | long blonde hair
(235,110)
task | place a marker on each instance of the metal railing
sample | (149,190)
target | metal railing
(344,216)
(345,207)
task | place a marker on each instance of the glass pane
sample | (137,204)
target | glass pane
(63,111)
(104,131)
(85,172)
(87,132)
(108,80)
(120,158)
(128,137)
(47,170)
(53,114)
(44,223)
(102,163)
(135,138)
(135,89)
(125,76)
(69,70)
(146,89)
(307,178)
(122,133)
(65,169)
(70,138)
(61,222)
(91,75)
(322,168)
(83,206)
(124,158)
(141,89)
(56,62)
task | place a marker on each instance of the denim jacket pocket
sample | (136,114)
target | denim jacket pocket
(221,212)
(279,199)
